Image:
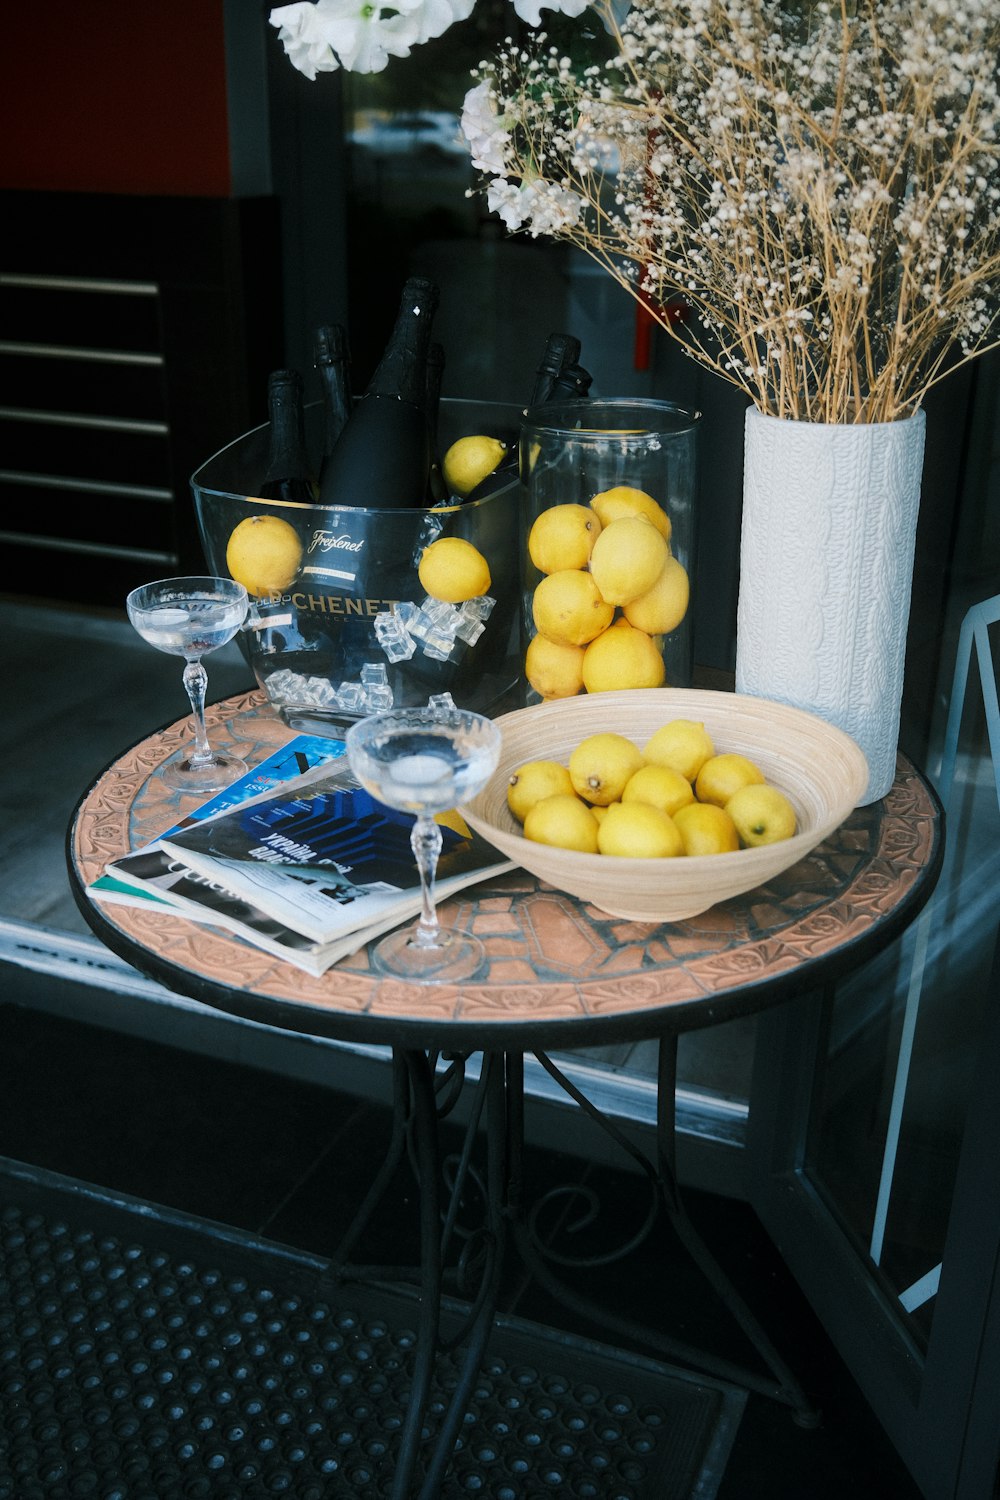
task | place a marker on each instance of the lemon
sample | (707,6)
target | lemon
(468,462)
(264,553)
(563,537)
(706,829)
(624,500)
(662,608)
(638,831)
(567,608)
(600,766)
(627,559)
(622,657)
(682,744)
(598,813)
(553,669)
(659,786)
(762,815)
(453,570)
(564,821)
(722,775)
(533,781)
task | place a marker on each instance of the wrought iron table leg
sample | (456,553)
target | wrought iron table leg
(476,1329)
(415,1131)
(425,1144)
(501,1096)
(662,1181)
(787,1388)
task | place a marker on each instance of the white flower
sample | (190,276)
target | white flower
(361,35)
(540,207)
(357,35)
(531,10)
(302,35)
(433,17)
(484,130)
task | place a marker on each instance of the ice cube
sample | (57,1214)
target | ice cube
(400,650)
(407,613)
(438,644)
(379,699)
(431,528)
(351,697)
(444,617)
(279,683)
(393,637)
(285,686)
(469,628)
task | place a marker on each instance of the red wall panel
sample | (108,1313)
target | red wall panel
(110,98)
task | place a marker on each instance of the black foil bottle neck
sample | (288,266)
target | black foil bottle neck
(402,370)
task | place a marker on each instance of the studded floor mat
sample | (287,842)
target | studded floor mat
(148,1355)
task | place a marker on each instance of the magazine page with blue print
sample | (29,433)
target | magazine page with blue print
(327,858)
(286,765)
(289,763)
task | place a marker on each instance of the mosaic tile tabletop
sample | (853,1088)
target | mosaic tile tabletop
(560,972)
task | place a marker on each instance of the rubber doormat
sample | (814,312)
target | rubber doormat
(148,1355)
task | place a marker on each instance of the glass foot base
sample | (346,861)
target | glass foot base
(207,776)
(457,955)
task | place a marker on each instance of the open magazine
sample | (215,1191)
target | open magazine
(152,877)
(194,897)
(309,872)
(290,761)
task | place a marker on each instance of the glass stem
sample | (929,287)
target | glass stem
(425,841)
(196,682)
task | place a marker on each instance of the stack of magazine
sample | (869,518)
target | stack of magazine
(296,858)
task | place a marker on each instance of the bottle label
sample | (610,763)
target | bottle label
(335,541)
(334,557)
(319,602)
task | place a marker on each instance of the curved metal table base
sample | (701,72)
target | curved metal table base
(423,1097)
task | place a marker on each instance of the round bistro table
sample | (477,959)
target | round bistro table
(559,974)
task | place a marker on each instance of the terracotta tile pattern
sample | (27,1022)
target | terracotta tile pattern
(552,960)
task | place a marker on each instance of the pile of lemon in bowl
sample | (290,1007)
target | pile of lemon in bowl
(677,795)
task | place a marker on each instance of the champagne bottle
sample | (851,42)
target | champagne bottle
(437,489)
(288,475)
(561,351)
(381,459)
(571,384)
(332,359)
(553,382)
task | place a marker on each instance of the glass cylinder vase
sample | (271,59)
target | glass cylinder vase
(608,541)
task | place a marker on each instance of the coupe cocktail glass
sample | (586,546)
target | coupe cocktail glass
(425,761)
(190,617)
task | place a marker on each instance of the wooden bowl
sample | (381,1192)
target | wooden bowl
(818,767)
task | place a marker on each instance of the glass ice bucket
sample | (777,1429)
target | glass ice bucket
(622,456)
(352,631)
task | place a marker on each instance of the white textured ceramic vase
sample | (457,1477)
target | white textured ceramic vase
(826,563)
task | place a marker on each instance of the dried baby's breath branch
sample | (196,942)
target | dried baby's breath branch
(820,181)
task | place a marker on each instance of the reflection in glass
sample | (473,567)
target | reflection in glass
(904,1032)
